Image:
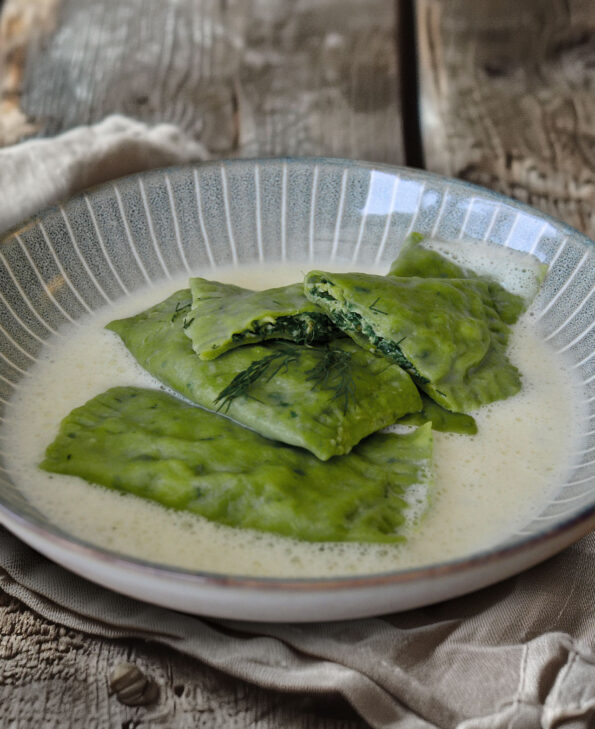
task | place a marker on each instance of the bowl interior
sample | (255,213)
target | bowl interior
(104,244)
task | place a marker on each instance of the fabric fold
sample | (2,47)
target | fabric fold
(462,664)
(52,169)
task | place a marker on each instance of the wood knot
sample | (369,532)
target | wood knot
(131,686)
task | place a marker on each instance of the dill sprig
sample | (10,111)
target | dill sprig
(373,307)
(334,373)
(243,381)
(179,309)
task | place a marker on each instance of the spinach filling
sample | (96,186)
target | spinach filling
(352,321)
(300,328)
(223,317)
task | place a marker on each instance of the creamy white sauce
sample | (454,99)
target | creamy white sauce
(486,487)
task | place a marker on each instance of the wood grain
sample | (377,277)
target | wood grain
(508,99)
(57,678)
(321,79)
(246,77)
(21,24)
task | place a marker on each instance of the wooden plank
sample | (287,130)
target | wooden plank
(321,78)
(56,677)
(507,93)
(255,77)
(20,27)
(154,61)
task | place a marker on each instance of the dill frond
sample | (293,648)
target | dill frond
(334,373)
(179,309)
(243,381)
(373,307)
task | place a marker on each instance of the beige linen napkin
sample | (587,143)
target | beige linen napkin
(519,655)
(42,171)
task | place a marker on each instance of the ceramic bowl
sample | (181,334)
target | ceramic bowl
(138,231)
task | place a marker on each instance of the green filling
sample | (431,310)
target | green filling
(308,328)
(352,322)
(222,317)
(153,445)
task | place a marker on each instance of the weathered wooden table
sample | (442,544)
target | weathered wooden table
(499,92)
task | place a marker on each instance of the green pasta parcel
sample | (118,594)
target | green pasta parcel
(414,259)
(158,447)
(224,316)
(445,332)
(325,399)
(442,420)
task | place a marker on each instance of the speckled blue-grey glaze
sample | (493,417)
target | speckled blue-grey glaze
(122,237)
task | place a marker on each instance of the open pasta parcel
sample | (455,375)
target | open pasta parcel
(223,316)
(448,330)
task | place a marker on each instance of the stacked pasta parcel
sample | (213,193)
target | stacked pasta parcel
(312,371)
